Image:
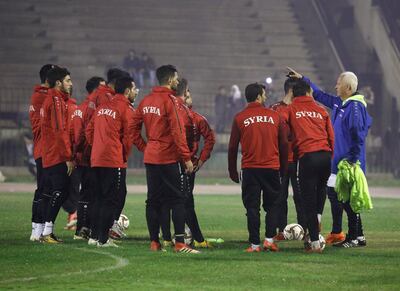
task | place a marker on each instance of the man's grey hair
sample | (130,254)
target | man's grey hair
(350,79)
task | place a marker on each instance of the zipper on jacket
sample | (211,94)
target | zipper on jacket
(55,113)
(176,113)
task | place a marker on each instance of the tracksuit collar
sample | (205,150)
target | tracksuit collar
(302,99)
(40,88)
(254,104)
(161,89)
(357,97)
(61,94)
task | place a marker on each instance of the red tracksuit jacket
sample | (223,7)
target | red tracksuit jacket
(72,107)
(101,95)
(81,148)
(37,99)
(262,136)
(311,126)
(202,129)
(108,133)
(187,120)
(282,109)
(55,129)
(166,138)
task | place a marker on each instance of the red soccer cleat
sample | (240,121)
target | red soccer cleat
(279,237)
(155,246)
(184,248)
(270,246)
(250,249)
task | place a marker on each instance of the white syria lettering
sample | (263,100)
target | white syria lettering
(258,119)
(77,113)
(151,109)
(312,114)
(105,111)
(31,108)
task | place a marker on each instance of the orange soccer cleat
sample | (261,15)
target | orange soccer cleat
(334,238)
(250,249)
(270,246)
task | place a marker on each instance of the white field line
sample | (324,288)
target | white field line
(120,262)
(234,189)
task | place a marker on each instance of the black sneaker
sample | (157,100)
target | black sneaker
(362,242)
(82,234)
(347,243)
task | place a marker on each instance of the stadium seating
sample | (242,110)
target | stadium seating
(213,43)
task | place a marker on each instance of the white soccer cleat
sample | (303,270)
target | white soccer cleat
(108,244)
(34,238)
(116,232)
(92,242)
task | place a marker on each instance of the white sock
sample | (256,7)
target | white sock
(270,240)
(48,228)
(253,246)
(319,216)
(34,226)
(39,229)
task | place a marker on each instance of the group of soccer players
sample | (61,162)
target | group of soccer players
(293,140)
(95,139)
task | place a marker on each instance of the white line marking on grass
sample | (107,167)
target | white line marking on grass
(120,262)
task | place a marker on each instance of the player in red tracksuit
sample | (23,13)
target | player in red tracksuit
(195,125)
(70,205)
(82,160)
(201,129)
(108,133)
(56,145)
(103,94)
(291,175)
(313,145)
(263,139)
(165,153)
(37,99)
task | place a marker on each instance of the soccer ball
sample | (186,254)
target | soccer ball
(322,243)
(293,231)
(123,221)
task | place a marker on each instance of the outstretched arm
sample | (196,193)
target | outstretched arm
(327,99)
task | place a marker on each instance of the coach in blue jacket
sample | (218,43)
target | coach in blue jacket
(351,122)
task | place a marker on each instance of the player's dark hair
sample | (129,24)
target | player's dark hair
(164,73)
(93,83)
(43,72)
(253,90)
(114,73)
(289,83)
(56,74)
(182,87)
(123,83)
(301,88)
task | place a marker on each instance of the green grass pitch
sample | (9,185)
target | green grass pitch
(74,265)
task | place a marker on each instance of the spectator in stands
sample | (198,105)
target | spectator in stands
(369,98)
(221,103)
(236,101)
(132,65)
(30,160)
(389,149)
(147,71)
